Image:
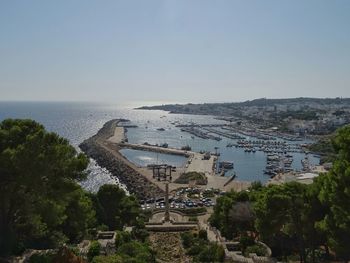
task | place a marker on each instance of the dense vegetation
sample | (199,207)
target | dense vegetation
(312,221)
(201,250)
(42,206)
(129,248)
(325,149)
(41,202)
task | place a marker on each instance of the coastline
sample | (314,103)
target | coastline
(98,148)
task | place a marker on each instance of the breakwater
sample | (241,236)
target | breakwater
(98,148)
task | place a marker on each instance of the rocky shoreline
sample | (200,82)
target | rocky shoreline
(95,148)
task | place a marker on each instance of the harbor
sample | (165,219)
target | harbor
(231,144)
(108,146)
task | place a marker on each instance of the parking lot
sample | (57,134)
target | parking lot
(184,198)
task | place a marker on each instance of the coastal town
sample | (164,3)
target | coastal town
(174,194)
(302,116)
(175,131)
(177,195)
(181,176)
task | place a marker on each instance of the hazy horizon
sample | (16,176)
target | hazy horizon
(173,51)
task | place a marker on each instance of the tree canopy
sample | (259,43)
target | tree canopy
(294,218)
(41,203)
(114,208)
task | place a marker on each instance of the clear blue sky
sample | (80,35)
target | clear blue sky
(179,50)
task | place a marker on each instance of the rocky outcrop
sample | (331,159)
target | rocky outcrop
(135,182)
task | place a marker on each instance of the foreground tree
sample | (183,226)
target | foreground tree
(41,204)
(114,208)
(335,194)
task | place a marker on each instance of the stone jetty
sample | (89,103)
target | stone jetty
(106,155)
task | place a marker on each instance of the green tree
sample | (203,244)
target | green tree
(233,214)
(271,209)
(38,174)
(212,253)
(114,208)
(335,193)
(121,238)
(136,252)
(94,250)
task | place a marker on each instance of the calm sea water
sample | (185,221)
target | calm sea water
(78,121)
(142,158)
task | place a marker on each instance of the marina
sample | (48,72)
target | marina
(248,153)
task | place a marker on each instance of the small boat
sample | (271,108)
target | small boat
(226,165)
(160,129)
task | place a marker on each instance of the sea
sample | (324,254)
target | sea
(78,121)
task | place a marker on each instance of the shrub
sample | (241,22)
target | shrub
(186,239)
(121,238)
(257,249)
(94,250)
(246,241)
(185,178)
(135,251)
(41,258)
(193,219)
(202,234)
(198,246)
(139,231)
(212,253)
(107,259)
(194,211)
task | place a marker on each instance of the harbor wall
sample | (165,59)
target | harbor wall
(136,183)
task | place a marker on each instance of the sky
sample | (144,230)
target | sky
(173,50)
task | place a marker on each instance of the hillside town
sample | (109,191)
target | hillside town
(302,116)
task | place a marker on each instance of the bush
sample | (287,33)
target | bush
(194,211)
(194,249)
(41,258)
(94,250)
(122,237)
(186,239)
(198,246)
(135,251)
(185,178)
(212,253)
(258,249)
(193,219)
(107,259)
(139,230)
(202,234)
(246,241)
